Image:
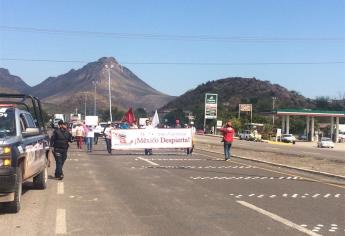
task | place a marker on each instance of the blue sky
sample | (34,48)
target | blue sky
(299,44)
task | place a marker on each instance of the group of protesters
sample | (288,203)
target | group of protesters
(88,135)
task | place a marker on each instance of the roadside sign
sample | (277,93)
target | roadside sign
(91,120)
(245,107)
(211,105)
(219,123)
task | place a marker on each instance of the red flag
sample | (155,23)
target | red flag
(129,116)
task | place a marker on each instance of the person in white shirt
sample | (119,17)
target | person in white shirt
(107,135)
(89,137)
(98,130)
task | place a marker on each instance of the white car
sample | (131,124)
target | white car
(325,142)
(288,138)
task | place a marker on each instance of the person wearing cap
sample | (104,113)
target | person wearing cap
(59,144)
(79,133)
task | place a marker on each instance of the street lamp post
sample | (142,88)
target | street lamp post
(85,104)
(273,107)
(95,82)
(108,67)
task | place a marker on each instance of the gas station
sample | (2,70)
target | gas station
(310,116)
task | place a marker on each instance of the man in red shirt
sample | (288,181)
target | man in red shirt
(228,138)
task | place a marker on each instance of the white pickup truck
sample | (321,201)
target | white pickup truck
(250,136)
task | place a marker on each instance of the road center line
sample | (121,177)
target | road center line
(60,227)
(278,218)
(150,162)
(60,188)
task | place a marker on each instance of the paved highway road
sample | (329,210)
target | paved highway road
(170,193)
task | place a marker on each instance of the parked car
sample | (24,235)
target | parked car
(288,138)
(325,142)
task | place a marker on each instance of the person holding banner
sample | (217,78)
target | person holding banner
(148,126)
(228,138)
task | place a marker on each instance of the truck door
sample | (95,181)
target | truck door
(34,147)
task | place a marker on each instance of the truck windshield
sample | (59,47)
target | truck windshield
(7,122)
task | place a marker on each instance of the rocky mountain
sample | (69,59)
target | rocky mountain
(235,90)
(11,83)
(72,89)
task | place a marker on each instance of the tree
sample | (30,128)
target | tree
(140,112)
(116,113)
(174,115)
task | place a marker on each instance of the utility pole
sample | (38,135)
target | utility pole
(85,105)
(95,82)
(108,69)
(273,107)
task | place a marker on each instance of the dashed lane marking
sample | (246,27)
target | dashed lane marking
(291,195)
(274,171)
(194,167)
(245,178)
(60,188)
(323,228)
(278,218)
(60,227)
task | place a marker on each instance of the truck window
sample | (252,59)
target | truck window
(7,122)
(30,121)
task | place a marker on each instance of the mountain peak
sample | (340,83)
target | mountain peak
(108,60)
(12,82)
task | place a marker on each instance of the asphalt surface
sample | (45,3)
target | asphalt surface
(170,193)
(302,155)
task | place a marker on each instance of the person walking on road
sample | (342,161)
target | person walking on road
(89,138)
(98,130)
(79,133)
(107,135)
(228,138)
(59,144)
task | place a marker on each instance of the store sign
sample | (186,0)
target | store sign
(245,107)
(211,106)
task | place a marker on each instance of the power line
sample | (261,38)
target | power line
(184,63)
(242,39)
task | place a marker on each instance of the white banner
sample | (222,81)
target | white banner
(151,138)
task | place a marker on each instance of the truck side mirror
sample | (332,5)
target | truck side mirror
(30,132)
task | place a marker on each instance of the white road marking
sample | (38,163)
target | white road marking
(60,227)
(278,218)
(150,162)
(285,195)
(60,188)
(239,178)
(173,159)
